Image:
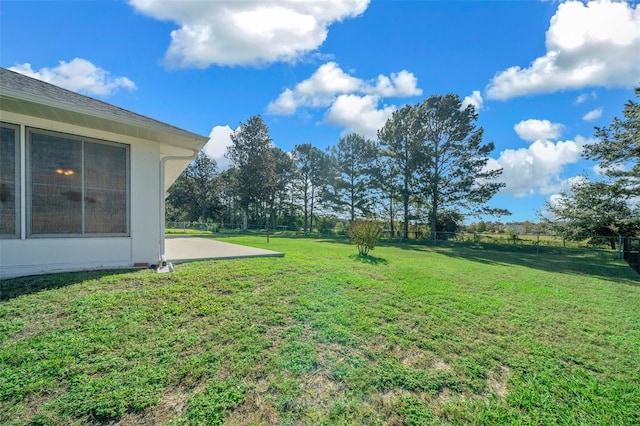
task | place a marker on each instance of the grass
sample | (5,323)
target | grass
(412,335)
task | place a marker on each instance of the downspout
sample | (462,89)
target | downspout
(162,263)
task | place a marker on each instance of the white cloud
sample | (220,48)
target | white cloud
(474,99)
(584,97)
(78,75)
(537,169)
(319,90)
(593,115)
(219,140)
(246,32)
(402,84)
(359,114)
(592,44)
(351,102)
(532,130)
(329,81)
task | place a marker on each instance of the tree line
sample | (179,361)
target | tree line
(428,164)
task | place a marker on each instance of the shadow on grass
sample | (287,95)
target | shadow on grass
(368,259)
(271,234)
(593,262)
(337,240)
(16,287)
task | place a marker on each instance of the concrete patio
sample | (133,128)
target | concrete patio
(189,249)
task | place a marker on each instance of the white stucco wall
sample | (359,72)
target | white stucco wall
(28,256)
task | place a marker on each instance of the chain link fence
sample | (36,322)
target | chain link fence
(218,228)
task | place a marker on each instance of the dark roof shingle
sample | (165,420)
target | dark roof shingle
(21,83)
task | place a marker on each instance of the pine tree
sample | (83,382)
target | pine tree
(618,150)
(251,153)
(399,148)
(452,159)
(354,156)
(195,195)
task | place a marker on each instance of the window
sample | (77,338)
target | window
(105,171)
(9,181)
(77,186)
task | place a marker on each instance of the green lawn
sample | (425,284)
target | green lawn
(414,335)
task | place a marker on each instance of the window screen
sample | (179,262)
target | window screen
(78,187)
(105,197)
(9,181)
(56,184)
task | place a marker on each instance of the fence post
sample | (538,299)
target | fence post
(620,249)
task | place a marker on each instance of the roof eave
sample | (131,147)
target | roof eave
(171,136)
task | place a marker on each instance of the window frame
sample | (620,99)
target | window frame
(29,131)
(17,182)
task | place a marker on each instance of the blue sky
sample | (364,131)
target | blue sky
(542,73)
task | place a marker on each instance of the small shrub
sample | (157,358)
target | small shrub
(326,224)
(365,235)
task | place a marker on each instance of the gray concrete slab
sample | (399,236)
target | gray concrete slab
(188,249)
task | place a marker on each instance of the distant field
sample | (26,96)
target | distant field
(417,334)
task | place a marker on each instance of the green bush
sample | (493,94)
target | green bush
(339,229)
(365,235)
(326,224)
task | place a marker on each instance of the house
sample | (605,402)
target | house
(82,182)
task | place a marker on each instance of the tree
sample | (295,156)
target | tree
(589,209)
(452,159)
(285,170)
(230,196)
(354,157)
(311,163)
(195,195)
(449,222)
(618,150)
(251,153)
(400,152)
(605,208)
(383,179)
(528,227)
(323,174)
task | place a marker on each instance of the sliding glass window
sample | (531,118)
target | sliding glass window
(9,181)
(77,186)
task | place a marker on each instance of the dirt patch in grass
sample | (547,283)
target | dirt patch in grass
(497,381)
(328,352)
(446,396)
(259,289)
(256,409)
(440,364)
(170,407)
(387,404)
(320,390)
(414,357)
(390,398)
(39,413)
